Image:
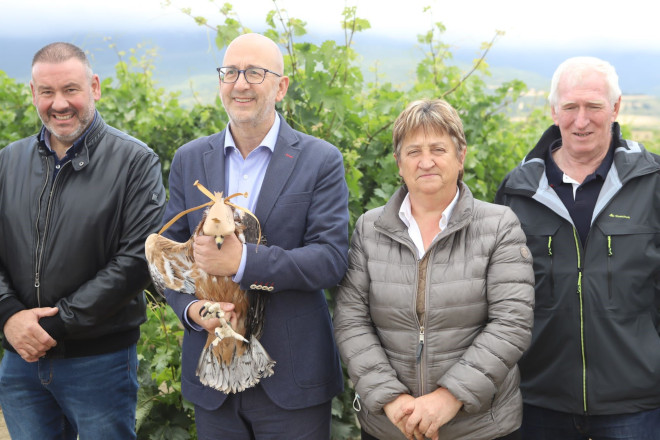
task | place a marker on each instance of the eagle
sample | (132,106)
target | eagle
(232,359)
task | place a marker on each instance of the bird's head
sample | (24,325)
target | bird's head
(219,221)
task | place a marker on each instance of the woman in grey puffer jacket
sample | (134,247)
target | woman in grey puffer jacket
(436,307)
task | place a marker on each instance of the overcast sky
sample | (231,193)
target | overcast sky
(558,23)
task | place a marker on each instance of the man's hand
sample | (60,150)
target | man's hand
(210,324)
(221,262)
(399,409)
(431,411)
(25,334)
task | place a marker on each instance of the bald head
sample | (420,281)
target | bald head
(254,47)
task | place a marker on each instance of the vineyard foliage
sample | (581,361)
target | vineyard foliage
(329,98)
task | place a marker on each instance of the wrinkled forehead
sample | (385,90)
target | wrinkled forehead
(71,70)
(583,80)
(254,51)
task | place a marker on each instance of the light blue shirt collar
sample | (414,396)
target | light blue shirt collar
(269,141)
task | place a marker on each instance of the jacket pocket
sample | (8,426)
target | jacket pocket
(314,360)
(541,241)
(632,255)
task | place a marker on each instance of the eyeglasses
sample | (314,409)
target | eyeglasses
(253,75)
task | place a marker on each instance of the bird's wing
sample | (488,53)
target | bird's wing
(247,228)
(171,264)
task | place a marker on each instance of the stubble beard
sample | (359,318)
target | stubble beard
(84,120)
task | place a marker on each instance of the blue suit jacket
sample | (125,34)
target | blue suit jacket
(303,211)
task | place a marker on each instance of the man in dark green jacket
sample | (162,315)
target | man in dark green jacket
(589,202)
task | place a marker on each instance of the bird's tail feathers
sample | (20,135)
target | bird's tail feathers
(254,323)
(243,372)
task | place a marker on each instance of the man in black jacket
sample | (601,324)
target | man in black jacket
(78,201)
(589,202)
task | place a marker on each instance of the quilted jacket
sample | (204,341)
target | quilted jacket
(479,302)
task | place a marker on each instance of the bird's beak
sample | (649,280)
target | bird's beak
(219,239)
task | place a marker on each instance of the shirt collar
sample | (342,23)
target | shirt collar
(556,175)
(269,141)
(405,211)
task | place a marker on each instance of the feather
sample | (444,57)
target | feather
(228,364)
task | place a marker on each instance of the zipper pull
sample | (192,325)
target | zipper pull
(420,346)
(356,403)
(37,283)
(579,284)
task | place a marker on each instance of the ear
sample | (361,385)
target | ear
(96,87)
(555,117)
(615,112)
(282,87)
(34,93)
(396,158)
(461,158)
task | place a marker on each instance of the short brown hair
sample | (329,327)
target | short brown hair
(432,116)
(59,52)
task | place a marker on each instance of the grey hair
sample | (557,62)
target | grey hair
(574,69)
(60,52)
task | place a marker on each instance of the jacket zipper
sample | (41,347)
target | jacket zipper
(420,345)
(609,268)
(552,268)
(582,345)
(37,281)
(421,361)
(41,246)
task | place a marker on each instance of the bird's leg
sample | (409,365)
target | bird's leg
(213,310)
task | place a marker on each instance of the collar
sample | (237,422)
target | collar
(268,141)
(405,211)
(556,176)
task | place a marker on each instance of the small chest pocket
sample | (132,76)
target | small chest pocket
(632,271)
(542,242)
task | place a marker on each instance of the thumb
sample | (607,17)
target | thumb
(228,307)
(42,312)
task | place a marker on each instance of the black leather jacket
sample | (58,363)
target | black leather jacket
(76,242)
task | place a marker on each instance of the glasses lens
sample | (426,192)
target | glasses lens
(255,75)
(228,75)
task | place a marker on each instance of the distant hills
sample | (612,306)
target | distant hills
(186,62)
(190,53)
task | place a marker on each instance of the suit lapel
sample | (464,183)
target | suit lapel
(214,164)
(279,170)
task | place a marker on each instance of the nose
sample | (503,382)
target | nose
(582,118)
(241,82)
(426,160)
(59,102)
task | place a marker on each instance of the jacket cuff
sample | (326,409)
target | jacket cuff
(8,308)
(54,326)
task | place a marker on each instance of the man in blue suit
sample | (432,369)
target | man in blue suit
(297,190)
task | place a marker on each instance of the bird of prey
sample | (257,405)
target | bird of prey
(232,359)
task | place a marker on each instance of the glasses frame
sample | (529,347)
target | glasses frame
(219,69)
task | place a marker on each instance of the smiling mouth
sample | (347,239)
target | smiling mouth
(243,99)
(62,117)
(582,134)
